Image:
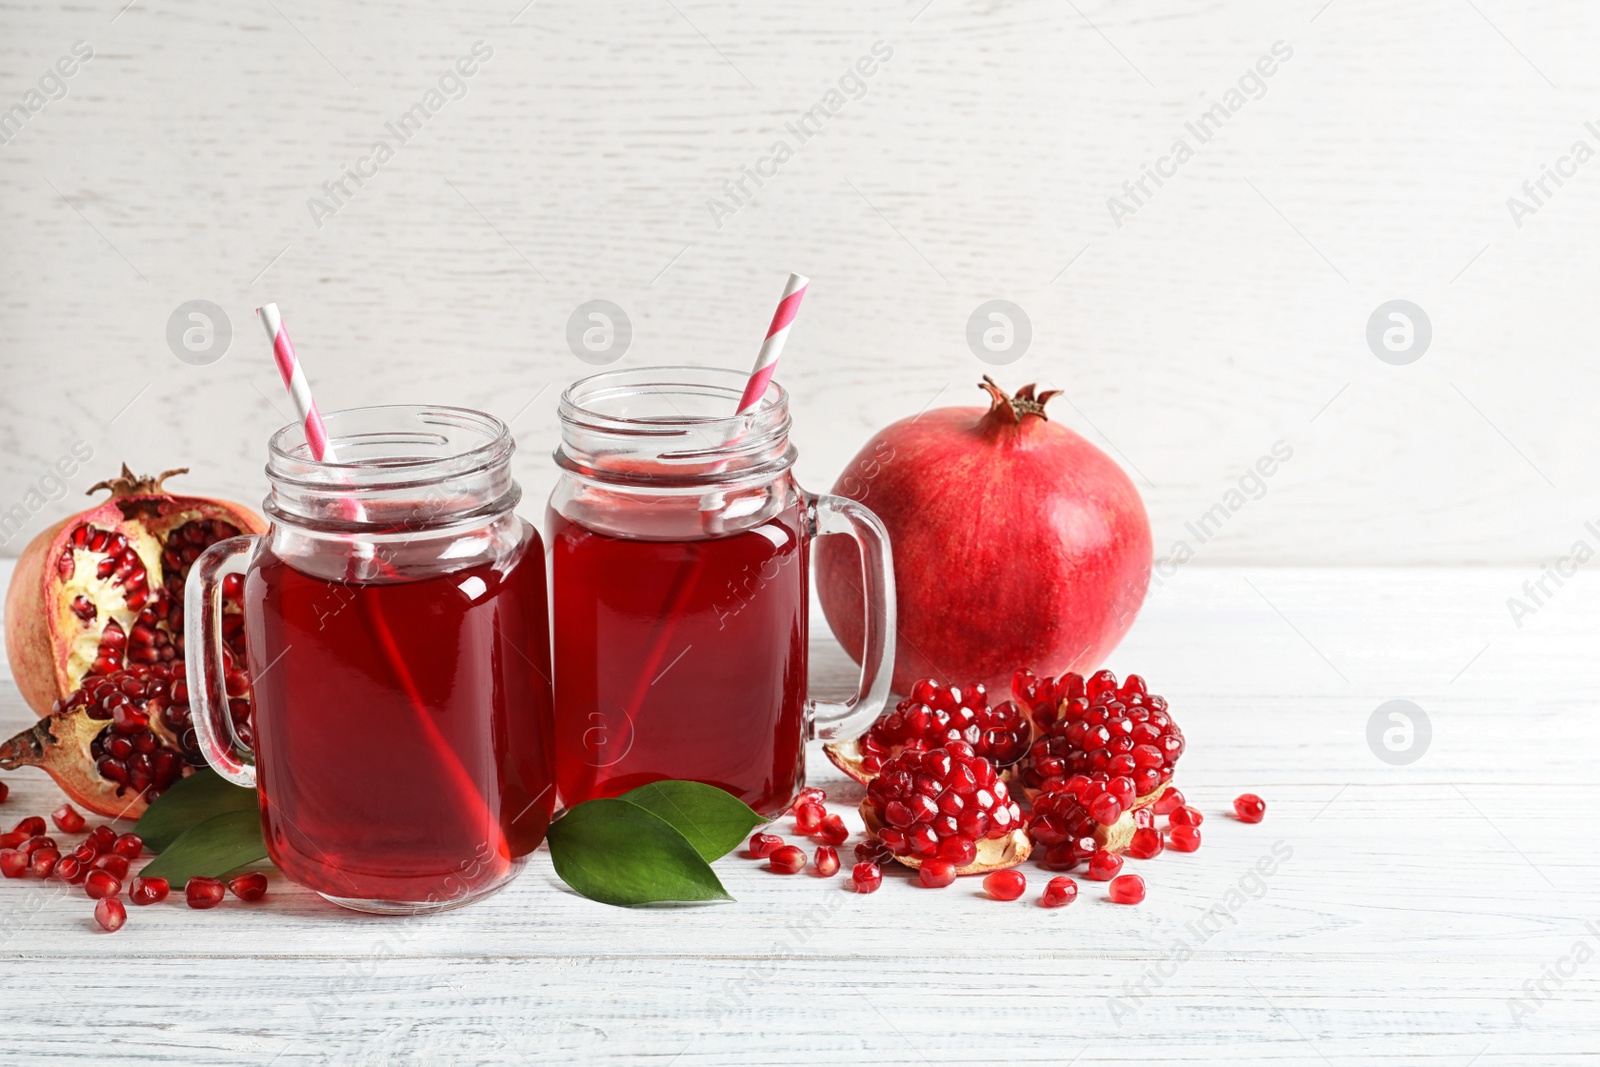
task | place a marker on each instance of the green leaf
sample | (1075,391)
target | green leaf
(618,853)
(221,844)
(189,802)
(715,822)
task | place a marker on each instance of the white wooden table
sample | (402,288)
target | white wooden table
(1416,904)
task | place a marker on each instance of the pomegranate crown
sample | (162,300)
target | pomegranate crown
(1013,408)
(129,484)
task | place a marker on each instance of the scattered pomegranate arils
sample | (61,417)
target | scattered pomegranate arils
(32,844)
(1169,802)
(94,631)
(936,873)
(43,861)
(1005,885)
(102,837)
(827,861)
(932,717)
(5,791)
(110,914)
(1249,807)
(13,838)
(867,877)
(67,819)
(909,808)
(13,864)
(1183,838)
(763,845)
(112,863)
(203,893)
(149,890)
(1126,889)
(1104,866)
(808,818)
(1147,843)
(1101,738)
(71,870)
(249,887)
(1185,816)
(129,845)
(32,826)
(833,830)
(811,795)
(787,859)
(1060,891)
(1069,855)
(873,851)
(99,884)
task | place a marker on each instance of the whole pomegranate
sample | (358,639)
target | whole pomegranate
(1015,541)
(94,632)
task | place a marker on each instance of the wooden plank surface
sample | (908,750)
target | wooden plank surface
(1405,907)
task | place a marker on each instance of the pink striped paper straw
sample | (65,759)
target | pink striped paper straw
(772,347)
(294,380)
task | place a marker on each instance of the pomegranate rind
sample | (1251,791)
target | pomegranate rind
(58,744)
(846,755)
(994,854)
(50,648)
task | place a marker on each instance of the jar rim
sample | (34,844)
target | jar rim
(290,459)
(578,400)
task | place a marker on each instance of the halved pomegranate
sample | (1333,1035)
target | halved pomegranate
(947,805)
(1104,752)
(932,716)
(94,632)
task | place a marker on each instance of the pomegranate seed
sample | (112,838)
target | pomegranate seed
(1143,817)
(1185,816)
(788,859)
(110,914)
(762,845)
(1146,844)
(43,861)
(1005,885)
(249,887)
(5,791)
(867,877)
(101,884)
(873,851)
(1249,807)
(129,845)
(1104,866)
(203,893)
(67,819)
(811,795)
(936,874)
(960,851)
(13,838)
(13,863)
(833,830)
(927,798)
(71,870)
(34,844)
(1183,838)
(149,890)
(117,865)
(1061,890)
(102,838)
(1105,809)
(827,861)
(1170,801)
(808,818)
(1126,889)
(33,826)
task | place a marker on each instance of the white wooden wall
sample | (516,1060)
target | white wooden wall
(1227,314)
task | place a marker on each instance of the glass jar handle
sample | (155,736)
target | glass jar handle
(840,515)
(208,697)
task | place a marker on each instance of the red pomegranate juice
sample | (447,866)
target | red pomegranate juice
(402,728)
(681,659)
